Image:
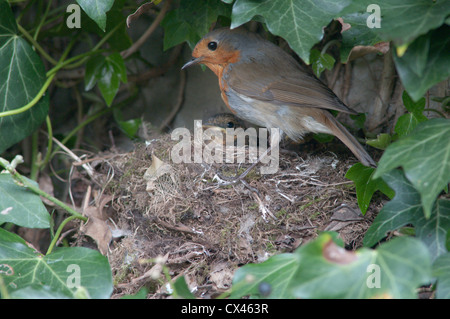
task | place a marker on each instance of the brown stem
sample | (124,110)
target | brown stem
(136,45)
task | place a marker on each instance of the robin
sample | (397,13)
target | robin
(222,121)
(262,84)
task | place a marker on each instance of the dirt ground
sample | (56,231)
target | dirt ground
(148,208)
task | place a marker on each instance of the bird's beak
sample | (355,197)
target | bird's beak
(192,62)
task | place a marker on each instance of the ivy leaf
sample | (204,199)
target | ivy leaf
(344,274)
(408,122)
(425,158)
(399,212)
(320,62)
(441,270)
(382,141)
(96,10)
(107,72)
(423,34)
(22,75)
(420,69)
(130,127)
(181,288)
(300,23)
(359,120)
(418,16)
(177,30)
(406,208)
(322,269)
(141,294)
(358,34)
(191,21)
(61,271)
(433,231)
(119,40)
(366,186)
(20,206)
(37,292)
(276,271)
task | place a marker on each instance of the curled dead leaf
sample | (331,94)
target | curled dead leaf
(335,254)
(141,10)
(161,176)
(362,50)
(97,225)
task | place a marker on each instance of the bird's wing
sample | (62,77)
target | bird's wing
(290,85)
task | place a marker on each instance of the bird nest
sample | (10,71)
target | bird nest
(180,215)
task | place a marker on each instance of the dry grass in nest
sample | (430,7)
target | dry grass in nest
(204,231)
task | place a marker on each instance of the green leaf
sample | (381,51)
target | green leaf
(108,72)
(404,209)
(358,34)
(300,23)
(20,206)
(441,270)
(22,76)
(412,106)
(141,294)
(447,240)
(61,271)
(359,120)
(323,137)
(37,292)
(399,212)
(433,231)
(191,21)
(417,16)
(365,185)
(395,269)
(382,141)
(119,40)
(419,68)
(277,271)
(96,10)
(425,158)
(130,127)
(322,269)
(320,62)
(406,124)
(181,289)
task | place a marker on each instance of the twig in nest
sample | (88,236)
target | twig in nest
(86,166)
(179,227)
(262,208)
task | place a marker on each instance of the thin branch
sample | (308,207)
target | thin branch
(136,45)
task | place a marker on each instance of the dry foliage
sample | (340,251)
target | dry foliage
(180,216)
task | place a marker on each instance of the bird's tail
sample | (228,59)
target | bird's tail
(350,141)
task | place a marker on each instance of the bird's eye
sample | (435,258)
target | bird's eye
(212,45)
(230,124)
